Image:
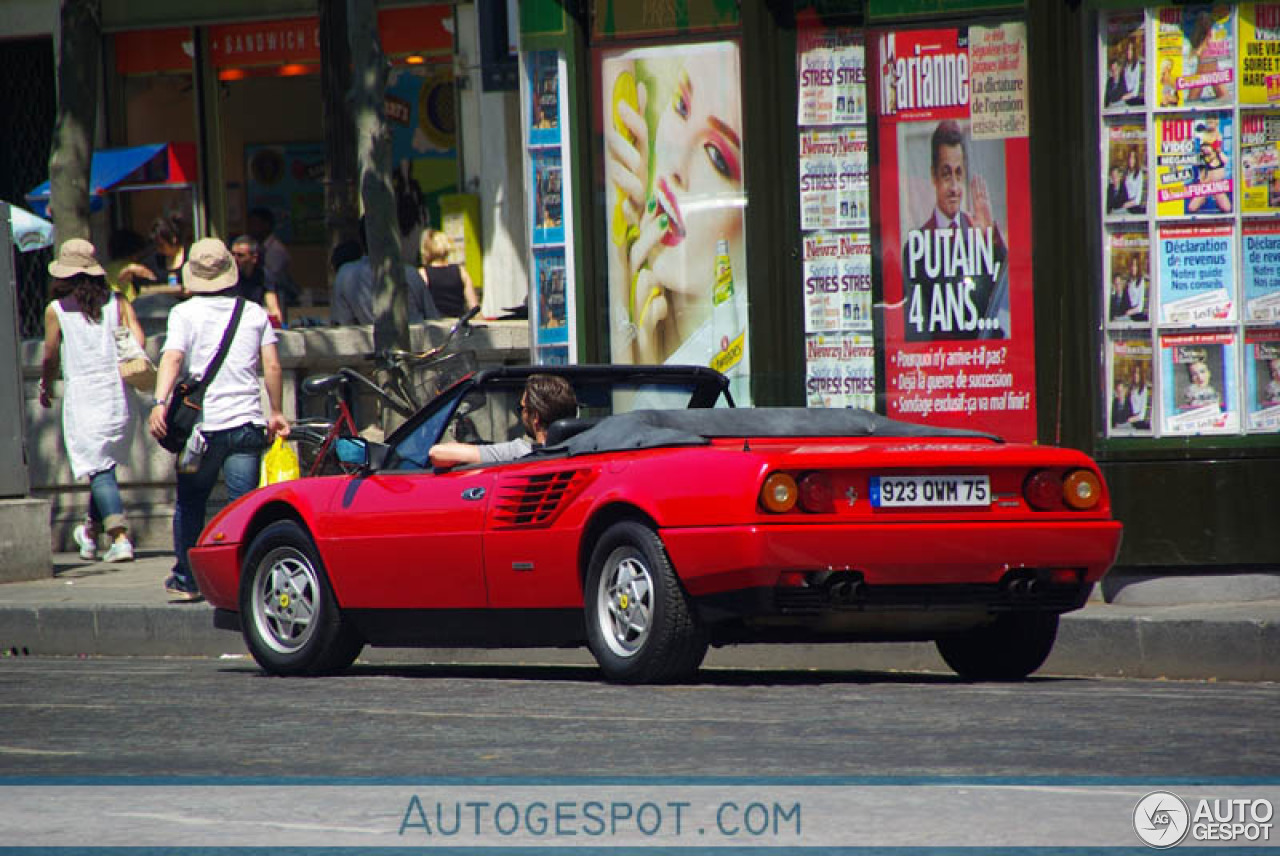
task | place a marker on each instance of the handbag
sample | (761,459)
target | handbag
(135,366)
(185,409)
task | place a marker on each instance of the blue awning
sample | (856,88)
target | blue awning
(154,165)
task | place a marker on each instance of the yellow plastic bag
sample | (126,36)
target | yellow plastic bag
(280,463)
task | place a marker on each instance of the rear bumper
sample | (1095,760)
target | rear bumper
(717,560)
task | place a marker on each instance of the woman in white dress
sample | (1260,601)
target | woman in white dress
(79,338)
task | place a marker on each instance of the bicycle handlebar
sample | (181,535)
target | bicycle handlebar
(396,355)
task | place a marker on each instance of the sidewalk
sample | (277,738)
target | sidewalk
(92,608)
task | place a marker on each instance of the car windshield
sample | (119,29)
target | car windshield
(487,410)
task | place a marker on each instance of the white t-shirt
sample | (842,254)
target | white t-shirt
(196,327)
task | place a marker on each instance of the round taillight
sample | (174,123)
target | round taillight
(816,493)
(1082,490)
(779,493)
(1043,490)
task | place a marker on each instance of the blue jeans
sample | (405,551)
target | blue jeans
(106,510)
(236,453)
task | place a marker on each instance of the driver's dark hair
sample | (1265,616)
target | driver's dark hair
(550,397)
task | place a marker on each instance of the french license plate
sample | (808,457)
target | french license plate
(929,491)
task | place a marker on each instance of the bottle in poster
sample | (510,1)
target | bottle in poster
(1195,55)
(1199,389)
(1262,381)
(1194,164)
(726,323)
(1124,62)
(1130,397)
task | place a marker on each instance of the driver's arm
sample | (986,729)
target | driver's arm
(446,455)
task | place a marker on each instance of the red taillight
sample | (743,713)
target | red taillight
(816,493)
(1065,576)
(1043,490)
(779,493)
(1082,490)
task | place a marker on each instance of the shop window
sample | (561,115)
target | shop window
(1190,172)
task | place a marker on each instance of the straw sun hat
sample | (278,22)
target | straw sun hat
(75,256)
(209,268)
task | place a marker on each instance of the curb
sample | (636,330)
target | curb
(1091,643)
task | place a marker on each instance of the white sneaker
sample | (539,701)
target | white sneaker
(119,551)
(88,545)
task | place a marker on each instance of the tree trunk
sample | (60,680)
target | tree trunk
(71,159)
(373,147)
(341,206)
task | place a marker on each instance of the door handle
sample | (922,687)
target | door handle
(473,493)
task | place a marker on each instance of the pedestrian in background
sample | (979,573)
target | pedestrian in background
(450,284)
(234,428)
(261,226)
(353,286)
(80,339)
(254,283)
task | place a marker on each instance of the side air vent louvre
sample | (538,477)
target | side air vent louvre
(535,500)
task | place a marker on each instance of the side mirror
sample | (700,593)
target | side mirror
(362,453)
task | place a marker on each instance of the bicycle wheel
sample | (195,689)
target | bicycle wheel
(316,453)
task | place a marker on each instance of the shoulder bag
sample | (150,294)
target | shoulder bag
(186,403)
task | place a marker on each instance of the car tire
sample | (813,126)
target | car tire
(1008,649)
(641,625)
(291,620)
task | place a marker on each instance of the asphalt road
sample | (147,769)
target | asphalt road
(208,717)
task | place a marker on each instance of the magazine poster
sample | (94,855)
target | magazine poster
(1124,60)
(1199,393)
(552,355)
(956,245)
(1194,164)
(999,106)
(1196,273)
(1260,245)
(548,198)
(1126,169)
(1128,278)
(1262,381)
(553,321)
(675,205)
(840,370)
(833,179)
(288,179)
(544,98)
(1131,399)
(1259,162)
(1195,55)
(831,70)
(837,282)
(1259,53)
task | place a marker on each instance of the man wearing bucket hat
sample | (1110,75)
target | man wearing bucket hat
(80,326)
(234,428)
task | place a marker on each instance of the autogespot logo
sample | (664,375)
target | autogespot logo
(1161,819)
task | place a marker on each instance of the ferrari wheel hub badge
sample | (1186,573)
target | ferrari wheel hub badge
(284,601)
(623,601)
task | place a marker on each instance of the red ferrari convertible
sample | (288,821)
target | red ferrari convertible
(661,521)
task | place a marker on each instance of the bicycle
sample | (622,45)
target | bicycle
(413,379)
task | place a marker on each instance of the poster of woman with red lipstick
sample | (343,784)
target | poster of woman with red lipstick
(955,228)
(675,200)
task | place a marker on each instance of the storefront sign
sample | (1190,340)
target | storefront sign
(959,344)
(675,200)
(908,8)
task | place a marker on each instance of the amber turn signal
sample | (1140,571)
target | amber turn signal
(779,493)
(1081,490)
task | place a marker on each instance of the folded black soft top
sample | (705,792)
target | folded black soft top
(647,429)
